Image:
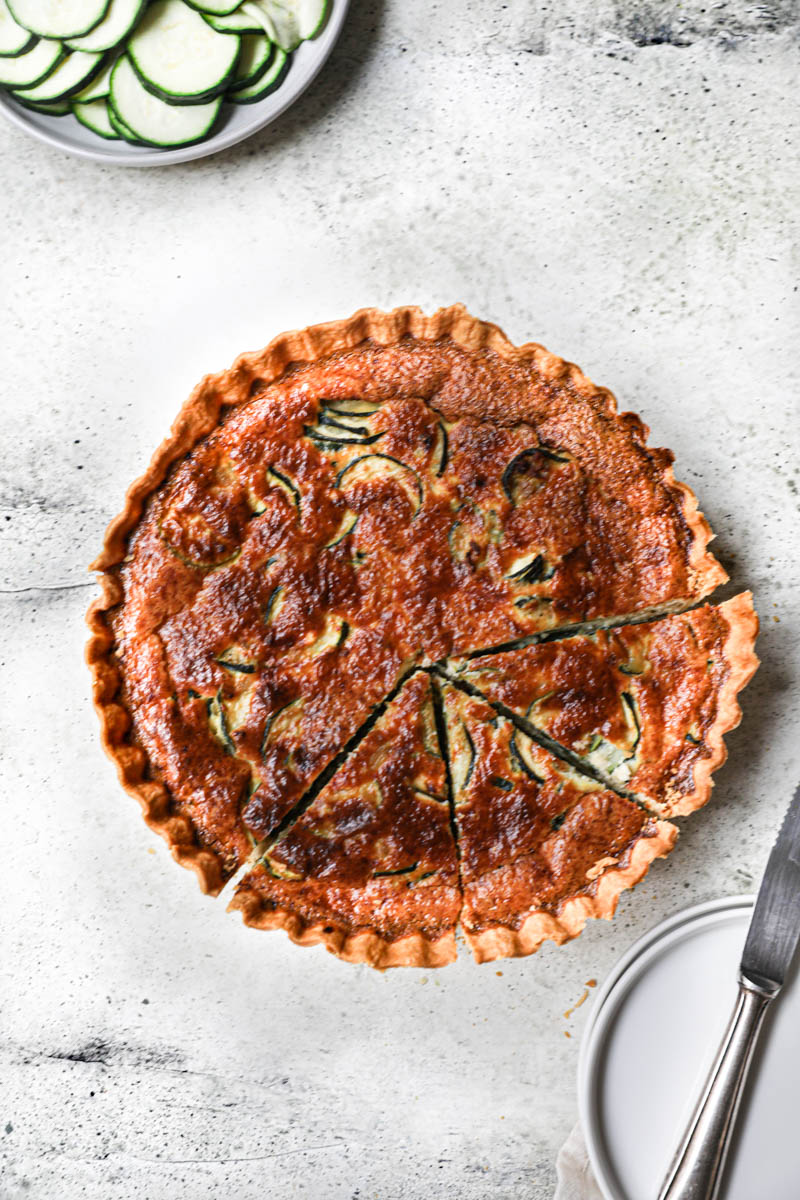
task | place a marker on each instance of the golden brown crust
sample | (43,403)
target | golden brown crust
(600,902)
(361,946)
(679,676)
(198,418)
(742,662)
(130,761)
(200,413)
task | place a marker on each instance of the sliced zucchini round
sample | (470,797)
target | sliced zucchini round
(152,120)
(58,109)
(311,16)
(237,22)
(179,57)
(283,483)
(94,115)
(121,18)
(217,8)
(290,22)
(58,18)
(14,38)
(99,87)
(346,527)
(255,54)
(351,409)
(376,468)
(441,451)
(331,439)
(121,128)
(527,471)
(26,70)
(70,76)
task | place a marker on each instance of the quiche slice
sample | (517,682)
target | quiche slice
(237,733)
(645,706)
(369,867)
(542,847)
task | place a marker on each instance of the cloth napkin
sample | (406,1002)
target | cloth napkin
(575,1180)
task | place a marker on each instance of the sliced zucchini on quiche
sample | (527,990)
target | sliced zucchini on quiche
(643,706)
(541,847)
(372,471)
(372,848)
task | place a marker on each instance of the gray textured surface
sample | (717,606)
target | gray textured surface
(617,180)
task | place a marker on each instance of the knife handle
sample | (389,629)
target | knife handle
(696,1170)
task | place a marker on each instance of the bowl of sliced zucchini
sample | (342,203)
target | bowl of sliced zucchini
(151,82)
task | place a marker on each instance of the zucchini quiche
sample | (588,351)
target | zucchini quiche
(403,629)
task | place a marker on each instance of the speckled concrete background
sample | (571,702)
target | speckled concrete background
(617,180)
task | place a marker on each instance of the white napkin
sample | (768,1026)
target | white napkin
(575,1178)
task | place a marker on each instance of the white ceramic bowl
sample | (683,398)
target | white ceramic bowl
(238,121)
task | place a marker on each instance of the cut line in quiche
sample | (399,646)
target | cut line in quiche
(370,867)
(354,506)
(644,707)
(543,848)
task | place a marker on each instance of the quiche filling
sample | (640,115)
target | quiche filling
(385,633)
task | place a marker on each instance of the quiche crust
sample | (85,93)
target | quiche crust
(361,946)
(600,901)
(561,383)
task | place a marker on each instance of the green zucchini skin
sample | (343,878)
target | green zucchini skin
(99,37)
(330,441)
(113,31)
(347,527)
(27,14)
(237,22)
(240,668)
(155,50)
(206,97)
(444,453)
(271,79)
(513,468)
(32,68)
(17,39)
(49,91)
(263,45)
(531,573)
(130,137)
(59,108)
(222,8)
(286,485)
(82,113)
(519,762)
(136,140)
(353,464)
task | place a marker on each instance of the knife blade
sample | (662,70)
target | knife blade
(775,925)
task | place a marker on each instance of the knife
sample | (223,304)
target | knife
(697,1168)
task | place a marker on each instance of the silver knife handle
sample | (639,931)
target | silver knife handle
(697,1167)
